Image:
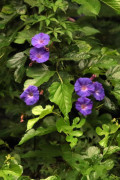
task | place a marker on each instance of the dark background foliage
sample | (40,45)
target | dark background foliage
(52,139)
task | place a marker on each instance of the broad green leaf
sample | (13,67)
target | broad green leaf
(32,3)
(24,35)
(116,92)
(61,94)
(108,164)
(39,132)
(111,150)
(115,4)
(38,110)
(39,76)
(92,6)
(31,123)
(17,62)
(75,161)
(7,9)
(63,125)
(89,30)
(14,170)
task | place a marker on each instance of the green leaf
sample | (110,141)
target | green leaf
(7,9)
(111,150)
(38,110)
(39,76)
(1,142)
(61,94)
(104,141)
(24,35)
(118,139)
(39,132)
(17,62)
(32,3)
(115,4)
(73,141)
(92,6)
(108,164)
(14,170)
(52,178)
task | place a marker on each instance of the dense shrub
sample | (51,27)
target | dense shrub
(60,89)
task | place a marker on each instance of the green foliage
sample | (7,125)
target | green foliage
(39,75)
(59,143)
(61,94)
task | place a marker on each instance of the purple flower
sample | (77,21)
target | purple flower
(84,87)
(99,93)
(39,55)
(40,40)
(31,95)
(84,105)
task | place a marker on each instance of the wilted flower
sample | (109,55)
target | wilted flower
(99,93)
(84,87)
(40,40)
(84,105)
(39,55)
(31,95)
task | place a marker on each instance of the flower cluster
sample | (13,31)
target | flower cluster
(31,95)
(84,87)
(39,53)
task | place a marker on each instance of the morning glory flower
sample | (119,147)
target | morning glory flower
(99,93)
(39,55)
(84,105)
(40,40)
(84,87)
(31,95)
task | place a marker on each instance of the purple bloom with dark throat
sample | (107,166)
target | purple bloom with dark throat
(99,93)
(40,40)
(84,87)
(84,105)
(31,95)
(39,55)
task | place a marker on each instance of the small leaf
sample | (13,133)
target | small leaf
(38,110)
(104,141)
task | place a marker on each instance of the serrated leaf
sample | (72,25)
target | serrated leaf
(38,110)
(61,94)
